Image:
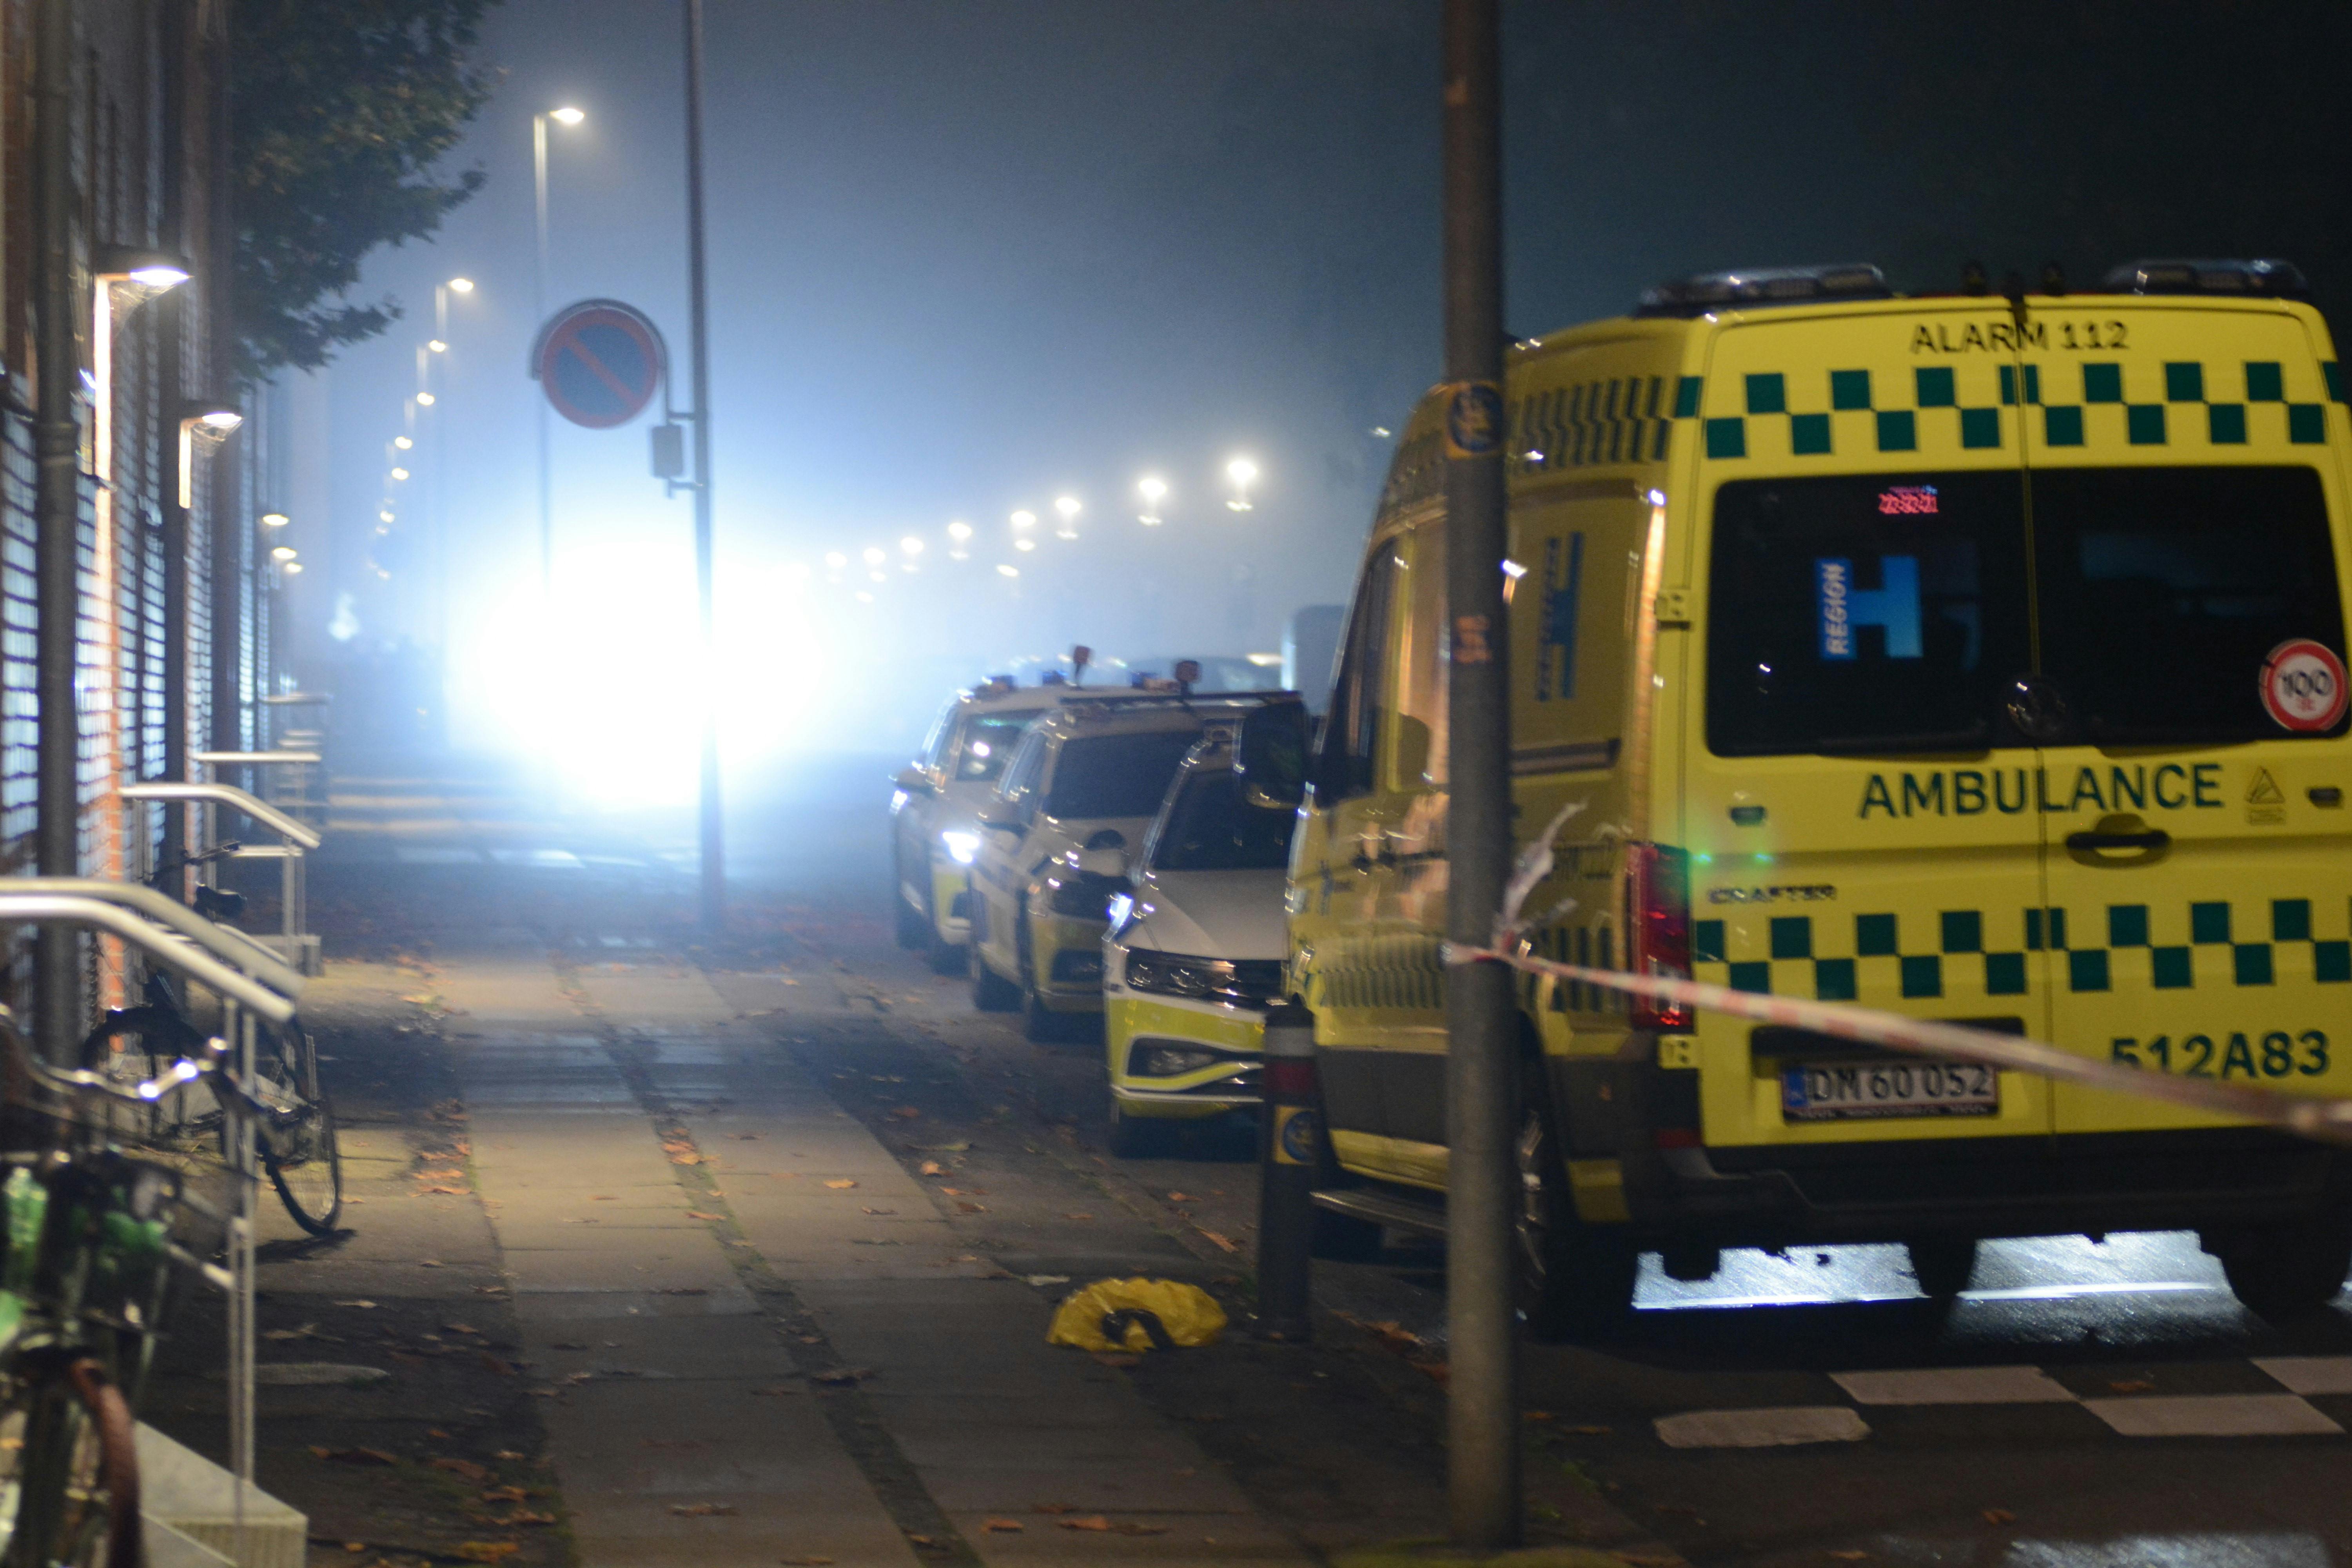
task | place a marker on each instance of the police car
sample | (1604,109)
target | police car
(934,835)
(1058,838)
(1975,658)
(1195,951)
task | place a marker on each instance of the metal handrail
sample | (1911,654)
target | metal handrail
(225,943)
(239,759)
(260,810)
(164,945)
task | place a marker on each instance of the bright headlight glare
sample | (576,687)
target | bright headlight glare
(963,847)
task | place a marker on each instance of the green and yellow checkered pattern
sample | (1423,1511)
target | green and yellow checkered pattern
(2232,404)
(1828,956)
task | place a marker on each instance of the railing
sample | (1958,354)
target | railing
(295,839)
(293,778)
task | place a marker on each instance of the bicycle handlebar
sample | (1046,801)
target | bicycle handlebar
(54,906)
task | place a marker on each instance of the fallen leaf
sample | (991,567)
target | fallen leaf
(698,1213)
(702,1510)
(1220,1240)
(1002,1524)
(1182,1198)
(355,1455)
(1044,1280)
(965,1192)
(940,1148)
(685,1159)
(962,1207)
(2133,1385)
(510,1454)
(488,1551)
(355,1546)
(1092,1522)
(428,1263)
(1999,1516)
(445,1192)
(841,1184)
(439,1175)
(466,1468)
(932,1168)
(437,1432)
(505,1494)
(363,1306)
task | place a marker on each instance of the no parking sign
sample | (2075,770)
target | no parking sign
(599,361)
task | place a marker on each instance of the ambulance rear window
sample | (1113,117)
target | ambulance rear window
(1865,613)
(2164,591)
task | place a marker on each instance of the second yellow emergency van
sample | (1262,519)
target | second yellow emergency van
(1974,658)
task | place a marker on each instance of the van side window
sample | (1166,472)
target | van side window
(1020,783)
(1420,668)
(1351,734)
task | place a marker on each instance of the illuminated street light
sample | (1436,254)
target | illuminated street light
(911,545)
(1154,489)
(436,345)
(461,285)
(1067,506)
(1022,521)
(567,116)
(836,559)
(402,442)
(283,553)
(275,519)
(400,473)
(291,568)
(424,400)
(1003,570)
(874,555)
(1244,474)
(1024,544)
(383,516)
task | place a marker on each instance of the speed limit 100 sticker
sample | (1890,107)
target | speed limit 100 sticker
(2303,686)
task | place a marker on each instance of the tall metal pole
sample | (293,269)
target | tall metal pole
(539,314)
(1482,1057)
(714,850)
(57,442)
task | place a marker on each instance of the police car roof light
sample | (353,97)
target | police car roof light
(2261,277)
(1749,287)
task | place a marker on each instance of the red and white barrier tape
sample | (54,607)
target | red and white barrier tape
(2327,1119)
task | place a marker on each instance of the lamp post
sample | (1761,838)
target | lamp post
(1153,489)
(567,117)
(436,478)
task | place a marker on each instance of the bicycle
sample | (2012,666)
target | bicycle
(294,1128)
(86,1263)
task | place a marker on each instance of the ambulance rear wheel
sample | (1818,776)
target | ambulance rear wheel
(2286,1273)
(1943,1265)
(1575,1280)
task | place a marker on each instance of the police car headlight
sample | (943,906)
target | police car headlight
(963,847)
(1155,1060)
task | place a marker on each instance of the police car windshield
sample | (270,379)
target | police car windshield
(1895,612)
(1117,775)
(987,746)
(1212,826)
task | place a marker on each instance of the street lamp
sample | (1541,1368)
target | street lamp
(1068,509)
(960,541)
(1154,489)
(274,520)
(1244,474)
(283,553)
(402,442)
(205,422)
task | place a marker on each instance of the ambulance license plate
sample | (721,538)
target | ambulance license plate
(1851,1091)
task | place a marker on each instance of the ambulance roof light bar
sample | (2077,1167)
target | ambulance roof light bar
(1749,287)
(2260,278)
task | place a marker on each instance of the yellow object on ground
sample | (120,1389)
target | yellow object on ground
(1122,1314)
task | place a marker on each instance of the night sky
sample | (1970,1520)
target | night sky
(970,256)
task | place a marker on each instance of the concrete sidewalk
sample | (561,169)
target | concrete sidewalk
(759,1337)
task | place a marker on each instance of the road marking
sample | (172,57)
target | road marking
(1774,1426)
(2310,1374)
(2213,1415)
(1955,1385)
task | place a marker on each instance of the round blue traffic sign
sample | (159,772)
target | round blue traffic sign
(599,361)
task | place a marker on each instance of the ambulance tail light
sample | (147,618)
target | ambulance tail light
(1657,928)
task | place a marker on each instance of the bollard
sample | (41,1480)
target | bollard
(1290,1140)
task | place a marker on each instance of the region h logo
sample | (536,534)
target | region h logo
(1893,605)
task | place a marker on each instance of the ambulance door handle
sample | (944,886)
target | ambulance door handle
(2153,838)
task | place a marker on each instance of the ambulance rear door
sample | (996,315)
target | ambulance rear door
(2187,504)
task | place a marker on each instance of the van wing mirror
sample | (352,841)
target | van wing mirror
(1271,758)
(999,814)
(914,781)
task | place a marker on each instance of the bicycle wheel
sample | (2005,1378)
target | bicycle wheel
(296,1137)
(73,1470)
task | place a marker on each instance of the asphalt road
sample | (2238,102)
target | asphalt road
(2082,1404)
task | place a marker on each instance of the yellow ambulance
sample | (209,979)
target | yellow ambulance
(1978,657)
